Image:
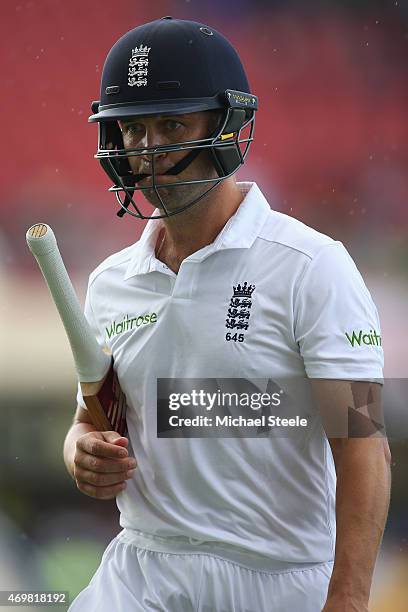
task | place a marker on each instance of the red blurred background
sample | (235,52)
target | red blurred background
(331,148)
(331,135)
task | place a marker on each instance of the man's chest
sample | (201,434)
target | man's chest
(202,323)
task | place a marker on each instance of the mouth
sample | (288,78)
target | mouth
(159,179)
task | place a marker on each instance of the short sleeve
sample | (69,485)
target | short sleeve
(90,317)
(337,326)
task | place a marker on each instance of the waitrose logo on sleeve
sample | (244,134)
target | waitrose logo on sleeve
(358,338)
(129,323)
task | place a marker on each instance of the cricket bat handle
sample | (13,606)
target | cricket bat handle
(91,362)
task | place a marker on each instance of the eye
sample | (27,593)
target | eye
(132,129)
(172,125)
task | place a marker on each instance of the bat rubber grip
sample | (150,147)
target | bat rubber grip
(91,362)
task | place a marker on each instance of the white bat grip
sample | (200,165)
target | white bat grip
(91,362)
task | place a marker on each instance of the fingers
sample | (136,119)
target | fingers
(102,480)
(102,464)
(101,492)
(101,485)
(102,445)
(114,438)
(122,442)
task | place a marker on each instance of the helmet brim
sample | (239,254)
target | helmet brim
(159,107)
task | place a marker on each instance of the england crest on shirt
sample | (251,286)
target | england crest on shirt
(239,311)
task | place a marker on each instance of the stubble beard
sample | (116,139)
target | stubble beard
(181,195)
(175,197)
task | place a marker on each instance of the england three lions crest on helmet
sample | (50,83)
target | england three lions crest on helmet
(138,66)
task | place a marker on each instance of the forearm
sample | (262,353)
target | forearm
(362,499)
(77,430)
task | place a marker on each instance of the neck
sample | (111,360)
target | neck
(199,225)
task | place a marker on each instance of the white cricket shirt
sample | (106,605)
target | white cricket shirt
(311,314)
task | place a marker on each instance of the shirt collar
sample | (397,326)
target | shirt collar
(240,232)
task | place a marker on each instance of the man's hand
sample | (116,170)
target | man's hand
(102,464)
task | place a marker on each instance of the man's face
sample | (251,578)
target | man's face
(146,132)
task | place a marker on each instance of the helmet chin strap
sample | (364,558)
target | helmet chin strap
(176,169)
(185,162)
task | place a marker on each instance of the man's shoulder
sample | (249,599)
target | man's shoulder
(117,262)
(289,232)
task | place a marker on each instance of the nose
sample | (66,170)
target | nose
(152,138)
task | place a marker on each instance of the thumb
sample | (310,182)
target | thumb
(114,438)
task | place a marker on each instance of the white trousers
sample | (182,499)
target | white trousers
(140,573)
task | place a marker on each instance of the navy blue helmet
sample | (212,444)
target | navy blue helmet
(172,67)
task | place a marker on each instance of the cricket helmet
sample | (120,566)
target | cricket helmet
(172,67)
